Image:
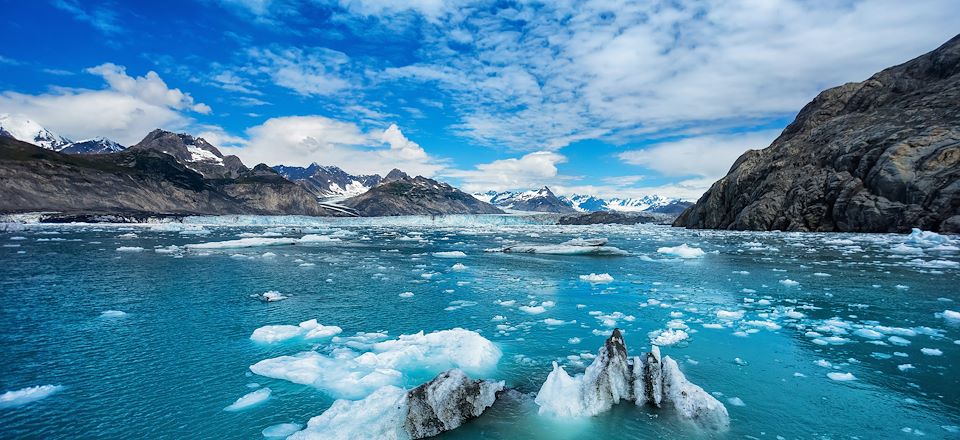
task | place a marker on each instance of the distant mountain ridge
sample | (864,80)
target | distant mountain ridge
(26,130)
(544,200)
(328,182)
(400,194)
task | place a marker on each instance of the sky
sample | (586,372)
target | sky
(597,97)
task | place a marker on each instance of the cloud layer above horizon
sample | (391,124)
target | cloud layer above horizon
(610,98)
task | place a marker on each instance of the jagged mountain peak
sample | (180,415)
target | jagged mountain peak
(328,182)
(24,129)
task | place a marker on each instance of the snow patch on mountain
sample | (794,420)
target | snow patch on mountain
(26,130)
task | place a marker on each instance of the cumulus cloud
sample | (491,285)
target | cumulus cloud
(705,156)
(531,170)
(126,110)
(300,140)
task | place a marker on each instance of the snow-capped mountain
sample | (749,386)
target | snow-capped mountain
(540,200)
(97,145)
(26,130)
(328,182)
(194,152)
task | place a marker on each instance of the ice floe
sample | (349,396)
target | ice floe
(682,251)
(596,247)
(449,254)
(281,430)
(129,249)
(249,400)
(113,314)
(23,396)
(357,365)
(597,278)
(842,377)
(308,330)
(262,241)
(271,296)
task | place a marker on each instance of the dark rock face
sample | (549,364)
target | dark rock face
(328,181)
(195,153)
(137,182)
(446,402)
(607,217)
(882,155)
(400,194)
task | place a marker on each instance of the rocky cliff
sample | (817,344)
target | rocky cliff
(400,194)
(137,181)
(882,155)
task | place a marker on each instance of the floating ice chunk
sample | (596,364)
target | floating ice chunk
(821,274)
(458,267)
(823,363)
(243,243)
(931,351)
(533,310)
(951,315)
(23,396)
(573,340)
(498,318)
(113,314)
(769,325)
(597,278)
(896,340)
(129,249)
(682,251)
(595,247)
(271,296)
(842,377)
(249,400)
(667,337)
(905,367)
(449,254)
(270,334)
(355,372)
(926,238)
(903,249)
(561,395)
(381,415)
(604,383)
(730,315)
(868,333)
(556,322)
(789,283)
(281,430)
(736,401)
(314,238)
(406,295)
(690,400)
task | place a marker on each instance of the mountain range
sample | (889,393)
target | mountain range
(544,200)
(29,131)
(329,183)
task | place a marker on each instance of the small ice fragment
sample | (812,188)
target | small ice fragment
(736,401)
(842,377)
(458,267)
(597,278)
(406,295)
(905,367)
(281,430)
(272,296)
(249,399)
(129,249)
(789,283)
(931,351)
(113,314)
(682,251)
(449,254)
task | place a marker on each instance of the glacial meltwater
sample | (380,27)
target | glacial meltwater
(246,327)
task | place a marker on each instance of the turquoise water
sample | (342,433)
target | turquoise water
(182,351)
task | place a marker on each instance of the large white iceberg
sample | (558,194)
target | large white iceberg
(578,246)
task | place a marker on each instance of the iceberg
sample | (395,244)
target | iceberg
(262,241)
(577,246)
(612,377)
(597,278)
(311,329)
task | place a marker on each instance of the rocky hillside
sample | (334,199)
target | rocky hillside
(138,181)
(882,155)
(400,194)
(196,153)
(328,182)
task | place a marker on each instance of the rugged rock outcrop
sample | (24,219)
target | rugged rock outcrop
(882,155)
(400,194)
(648,380)
(196,153)
(137,182)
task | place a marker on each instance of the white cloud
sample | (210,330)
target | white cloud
(308,72)
(543,75)
(300,140)
(531,170)
(706,156)
(125,111)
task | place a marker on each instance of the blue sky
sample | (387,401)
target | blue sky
(603,97)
